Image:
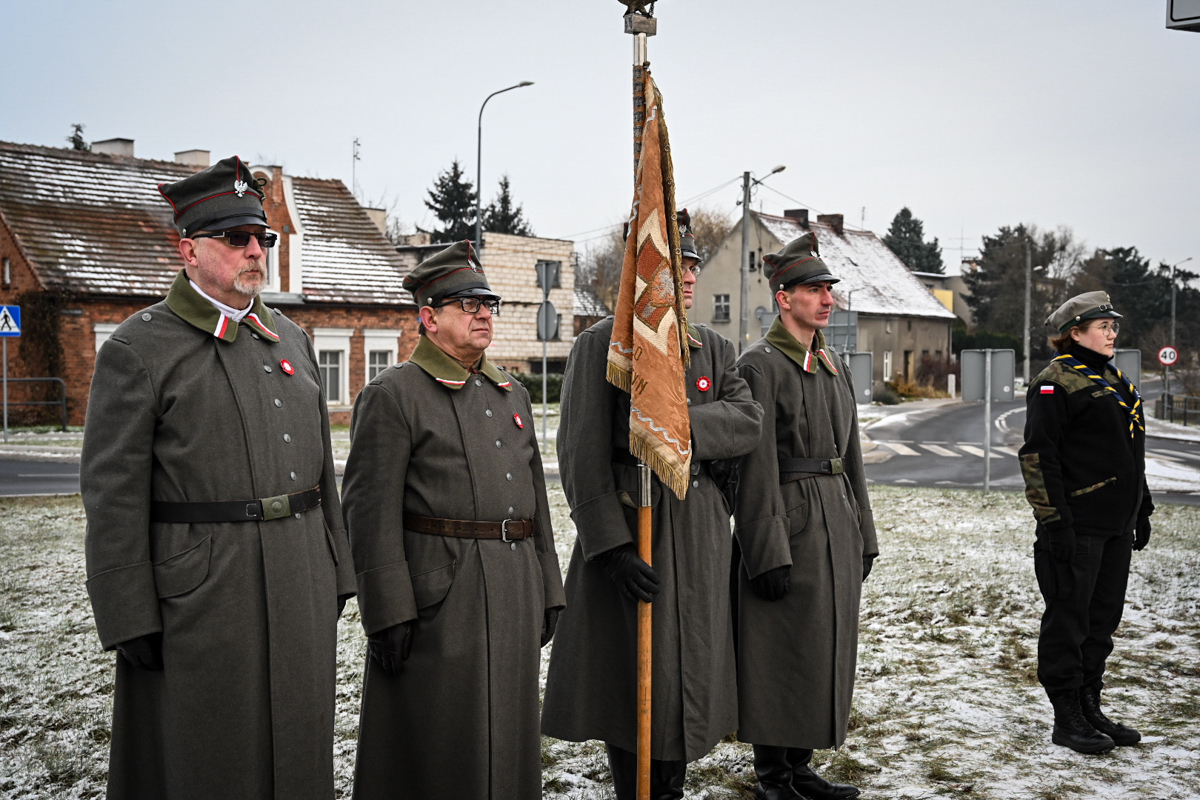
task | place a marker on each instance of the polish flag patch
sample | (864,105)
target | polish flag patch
(1047,390)
(286,366)
(703,383)
(517,419)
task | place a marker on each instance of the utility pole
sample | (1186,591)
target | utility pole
(744,317)
(1028,296)
(1167,374)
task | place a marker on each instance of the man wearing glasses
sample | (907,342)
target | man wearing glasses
(459,584)
(591,688)
(217,560)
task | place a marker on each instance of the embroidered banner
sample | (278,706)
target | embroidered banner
(648,354)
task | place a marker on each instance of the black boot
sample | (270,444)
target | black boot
(774,773)
(1089,704)
(811,785)
(1071,729)
(666,777)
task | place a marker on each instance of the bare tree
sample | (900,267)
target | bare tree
(600,266)
(711,226)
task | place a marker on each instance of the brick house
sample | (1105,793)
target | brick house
(86,240)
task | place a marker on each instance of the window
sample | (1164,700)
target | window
(887,365)
(103,330)
(330,363)
(7,271)
(377,362)
(720,308)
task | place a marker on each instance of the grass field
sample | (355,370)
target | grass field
(946,705)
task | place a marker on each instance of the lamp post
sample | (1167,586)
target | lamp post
(1167,382)
(1028,297)
(744,319)
(479,165)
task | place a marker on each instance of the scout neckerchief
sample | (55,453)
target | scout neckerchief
(1134,411)
(451,374)
(807,359)
(196,310)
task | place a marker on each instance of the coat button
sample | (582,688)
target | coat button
(147,317)
(512,545)
(292,476)
(488,412)
(508,476)
(297,516)
(287,437)
(266,367)
(255,335)
(510,511)
(695,468)
(499,443)
(689,401)
(695,484)
(478,382)
(767,349)
(278,403)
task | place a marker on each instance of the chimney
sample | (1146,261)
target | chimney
(800,215)
(379,217)
(835,221)
(193,158)
(114,147)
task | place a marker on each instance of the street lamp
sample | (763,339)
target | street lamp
(747,185)
(479,165)
(1167,382)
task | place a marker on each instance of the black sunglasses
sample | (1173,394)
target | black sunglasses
(241,238)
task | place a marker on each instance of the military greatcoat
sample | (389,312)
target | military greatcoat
(188,406)
(461,720)
(591,688)
(797,655)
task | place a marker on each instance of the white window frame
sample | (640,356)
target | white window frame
(336,339)
(887,365)
(103,330)
(375,340)
(727,316)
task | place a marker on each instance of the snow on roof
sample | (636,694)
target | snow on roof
(588,303)
(96,224)
(873,279)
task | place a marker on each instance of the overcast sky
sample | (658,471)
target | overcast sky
(1083,113)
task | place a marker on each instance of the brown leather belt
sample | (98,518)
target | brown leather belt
(264,509)
(509,530)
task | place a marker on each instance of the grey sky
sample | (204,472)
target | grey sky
(975,115)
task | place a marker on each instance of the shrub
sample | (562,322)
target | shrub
(533,383)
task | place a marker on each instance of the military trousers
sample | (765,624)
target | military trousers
(1084,601)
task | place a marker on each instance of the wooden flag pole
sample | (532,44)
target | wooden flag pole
(645,639)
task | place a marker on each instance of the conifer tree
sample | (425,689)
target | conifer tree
(452,201)
(906,238)
(502,216)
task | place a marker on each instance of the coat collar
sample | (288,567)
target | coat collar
(449,373)
(693,335)
(806,359)
(189,306)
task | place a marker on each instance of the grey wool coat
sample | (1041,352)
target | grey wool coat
(461,720)
(184,407)
(592,684)
(797,655)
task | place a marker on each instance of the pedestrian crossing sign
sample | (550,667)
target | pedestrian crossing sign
(10,320)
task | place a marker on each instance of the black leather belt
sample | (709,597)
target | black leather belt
(266,508)
(628,459)
(791,469)
(507,530)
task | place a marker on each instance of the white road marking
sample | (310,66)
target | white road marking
(900,449)
(975,451)
(940,451)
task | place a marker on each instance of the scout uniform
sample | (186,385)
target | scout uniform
(591,686)
(1085,477)
(213,526)
(802,501)
(446,505)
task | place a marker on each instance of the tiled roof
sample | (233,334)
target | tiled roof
(873,279)
(588,303)
(96,224)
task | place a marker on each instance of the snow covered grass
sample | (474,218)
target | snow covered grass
(947,702)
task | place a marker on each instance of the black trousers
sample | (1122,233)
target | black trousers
(1084,600)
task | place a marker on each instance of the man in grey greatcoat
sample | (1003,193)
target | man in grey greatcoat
(216,558)
(459,583)
(592,685)
(806,536)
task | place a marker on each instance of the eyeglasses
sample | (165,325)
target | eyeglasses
(694,269)
(1109,327)
(471,305)
(241,238)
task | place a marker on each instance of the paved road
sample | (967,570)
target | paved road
(37,477)
(943,446)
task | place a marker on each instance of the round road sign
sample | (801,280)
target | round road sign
(1167,356)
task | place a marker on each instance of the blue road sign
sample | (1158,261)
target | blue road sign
(10,320)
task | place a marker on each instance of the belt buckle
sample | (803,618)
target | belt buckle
(837,466)
(504,531)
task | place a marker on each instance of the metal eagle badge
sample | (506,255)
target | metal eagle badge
(240,187)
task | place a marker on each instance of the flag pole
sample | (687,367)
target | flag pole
(642,27)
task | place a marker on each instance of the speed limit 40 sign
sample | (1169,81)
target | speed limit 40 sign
(1167,356)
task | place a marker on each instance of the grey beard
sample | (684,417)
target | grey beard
(243,288)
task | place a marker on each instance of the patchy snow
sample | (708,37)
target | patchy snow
(1171,430)
(946,704)
(1164,475)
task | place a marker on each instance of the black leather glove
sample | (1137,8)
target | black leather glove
(773,584)
(549,623)
(144,652)
(1141,535)
(1062,543)
(868,562)
(635,577)
(391,646)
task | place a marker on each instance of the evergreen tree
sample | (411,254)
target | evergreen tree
(76,139)
(906,238)
(452,201)
(502,216)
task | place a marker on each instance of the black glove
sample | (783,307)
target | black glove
(635,577)
(144,652)
(773,584)
(1062,543)
(868,562)
(1142,535)
(391,646)
(549,623)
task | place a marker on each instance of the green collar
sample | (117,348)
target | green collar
(694,340)
(195,310)
(448,372)
(787,344)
